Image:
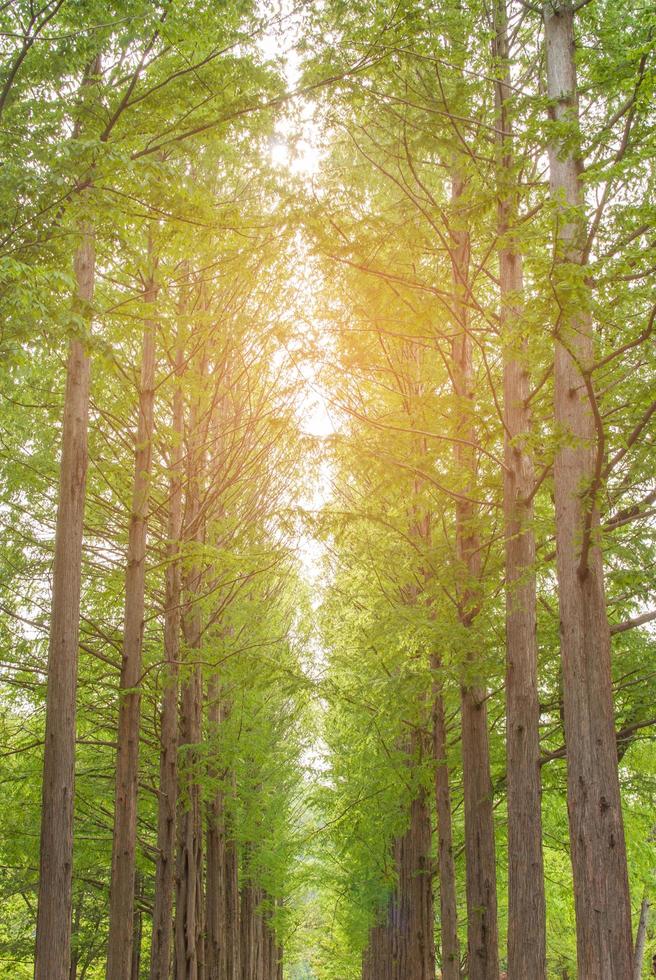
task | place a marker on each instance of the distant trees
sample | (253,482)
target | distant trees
(448,237)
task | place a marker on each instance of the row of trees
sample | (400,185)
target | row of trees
(487,213)
(152,611)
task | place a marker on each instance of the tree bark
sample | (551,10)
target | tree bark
(230,963)
(222,892)
(189,928)
(526,898)
(403,946)
(121,897)
(261,958)
(248,932)
(377,959)
(601,889)
(168,762)
(412,903)
(53,929)
(446,868)
(75,955)
(482,934)
(189,946)
(137,931)
(214,850)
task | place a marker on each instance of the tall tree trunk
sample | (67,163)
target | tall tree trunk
(247,932)
(121,896)
(412,903)
(526,899)
(168,760)
(482,932)
(215,897)
(276,956)
(189,929)
(53,928)
(377,959)
(641,940)
(601,889)
(446,867)
(231,948)
(403,946)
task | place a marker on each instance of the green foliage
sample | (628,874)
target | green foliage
(266,279)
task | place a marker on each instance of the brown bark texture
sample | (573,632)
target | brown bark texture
(261,957)
(53,929)
(641,940)
(121,896)
(482,930)
(526,898)
(168,762)
(450,945)
(189,925)
(223,940)
(403,945)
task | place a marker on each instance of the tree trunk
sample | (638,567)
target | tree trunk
(260,956)
(189,951)
(230,964)
(168,761)
(75,955)
(53,929)
(601,890)
(412,903)
(641,940)
(247,932)
(377,959)
(121,897)
(215,896)
(482,936)
(526,899)
(446,867)
(403,945)
(222,891)
(189,942)
(137,931)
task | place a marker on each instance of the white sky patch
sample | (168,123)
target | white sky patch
(295,144)
(295,147)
